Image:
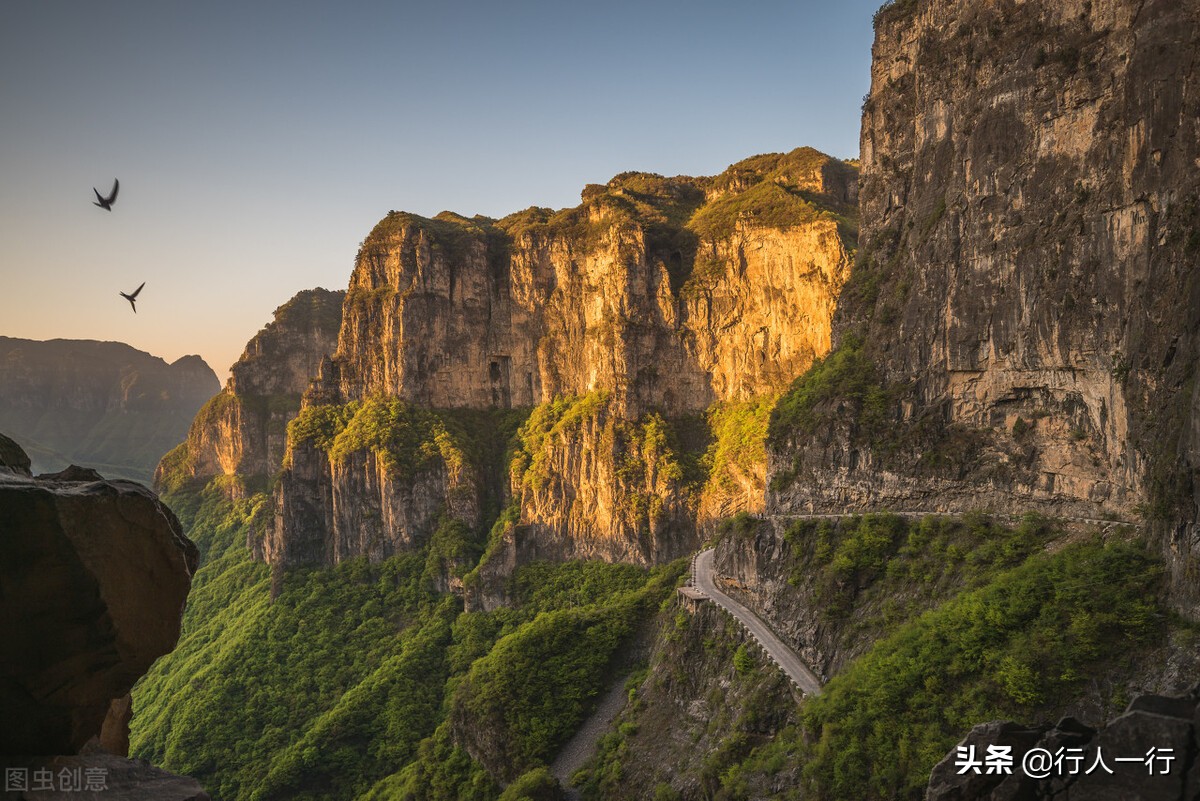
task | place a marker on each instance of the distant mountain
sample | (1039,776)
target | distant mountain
(99,404)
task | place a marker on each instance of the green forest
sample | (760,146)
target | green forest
(357,675)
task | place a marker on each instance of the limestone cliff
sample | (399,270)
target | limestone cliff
(665,295)
(102,404)
(1021,326)
(650,289)
(242,430)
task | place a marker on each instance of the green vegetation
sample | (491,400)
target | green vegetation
(844,393)
(1017,647)
(777,190)
(707,272)
(956,621)
(346,684)
(894,9)
(524,677)
(767,204)
(217,408)
(878,570)
(311,309)
(739,436)
(320,424)
(173,469)
(548,421)
(253,684)
(742,526)
(526,697)
(845,377)
(651,455)
(743,702)
(447,234)
(407,437)
(536,785)
(743,662)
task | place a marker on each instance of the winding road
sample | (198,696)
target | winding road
(787,659)
(703,583)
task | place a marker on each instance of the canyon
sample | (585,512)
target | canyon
(472,475)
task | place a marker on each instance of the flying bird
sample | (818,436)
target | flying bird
(131,297)
(106,202)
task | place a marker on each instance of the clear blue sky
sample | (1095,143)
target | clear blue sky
(257,143)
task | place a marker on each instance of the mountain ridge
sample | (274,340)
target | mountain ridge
(99,403)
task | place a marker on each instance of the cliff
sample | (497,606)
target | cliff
(653,301)
(102,404)
(1020,328)
(242,430)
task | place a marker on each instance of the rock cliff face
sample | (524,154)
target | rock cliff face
(366,498)
(1026,297)
(242,430)
(662,295)
(102,404)
(617,480)
(94,574)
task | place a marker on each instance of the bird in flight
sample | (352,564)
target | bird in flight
(133,296)
(106,202)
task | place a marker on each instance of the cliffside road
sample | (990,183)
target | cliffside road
(1091,521)
(782,655)
(581,747)
(704,581)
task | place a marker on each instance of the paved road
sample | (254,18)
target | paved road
(782,655)
(583,744)
(918,514)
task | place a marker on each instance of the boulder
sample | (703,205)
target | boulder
(93,579)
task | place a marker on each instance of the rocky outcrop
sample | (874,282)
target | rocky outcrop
(1026,290)
(1156,741)
(756,566)
(362,504)
(93,579)
(242,431)
(102,404)
(12,458)
(604,489)
(95,775)
(665,294)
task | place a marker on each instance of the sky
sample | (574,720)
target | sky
(257,143)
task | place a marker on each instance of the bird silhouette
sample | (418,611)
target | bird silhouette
(133,296)
(106,202)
